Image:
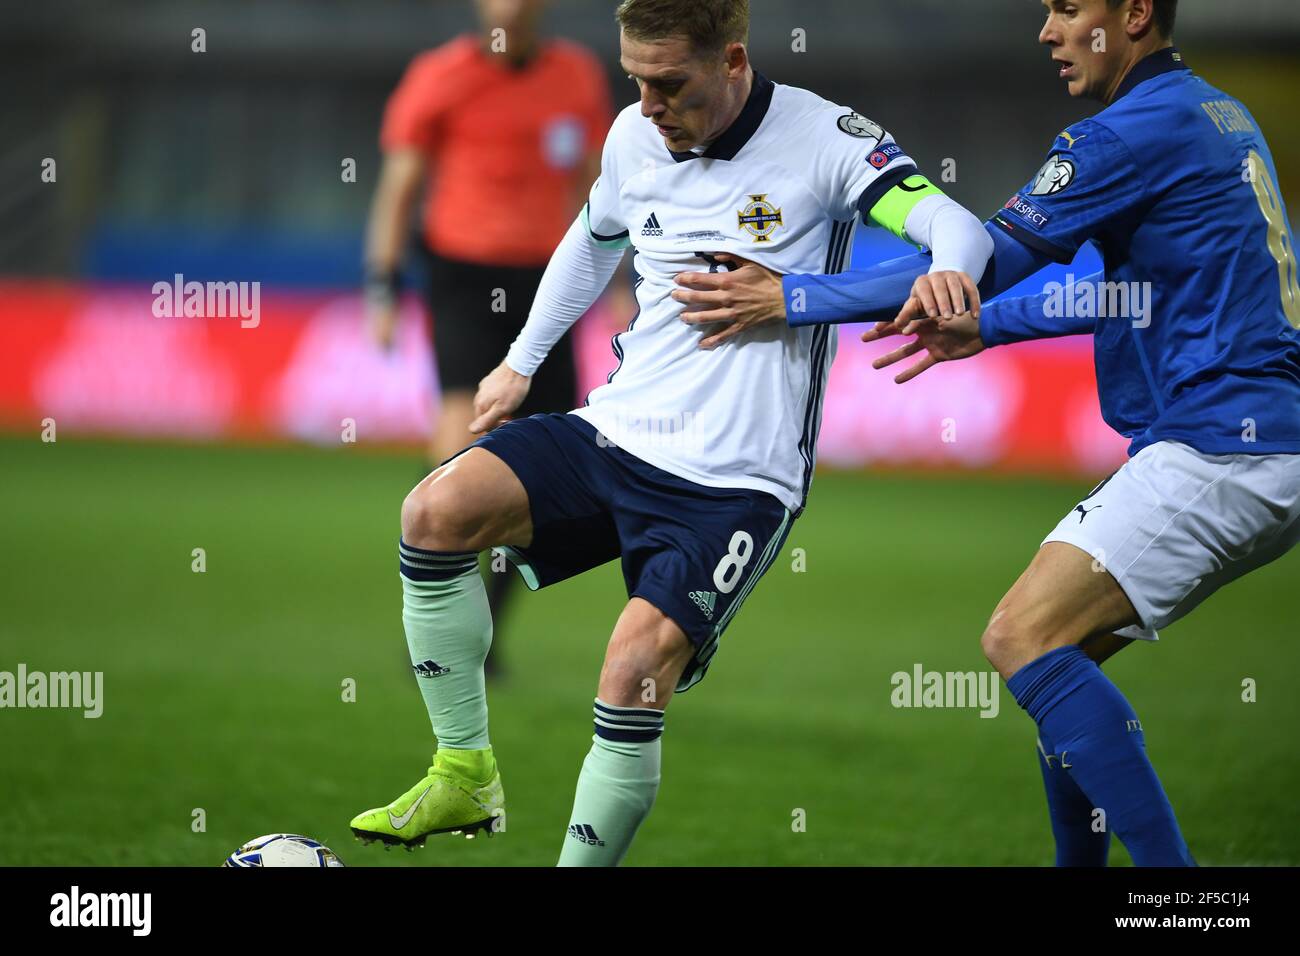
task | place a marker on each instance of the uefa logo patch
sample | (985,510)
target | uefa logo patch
(881,157)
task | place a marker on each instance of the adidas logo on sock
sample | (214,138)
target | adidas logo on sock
(705,601)
(585,833)
(430,669)
(652,228)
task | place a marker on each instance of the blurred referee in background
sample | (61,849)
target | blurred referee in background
(504,129)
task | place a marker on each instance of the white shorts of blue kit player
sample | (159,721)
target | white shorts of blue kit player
(1175,525)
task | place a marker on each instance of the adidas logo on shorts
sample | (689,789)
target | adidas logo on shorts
(705,601)
(652,228)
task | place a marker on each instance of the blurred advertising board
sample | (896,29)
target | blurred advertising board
(99,359)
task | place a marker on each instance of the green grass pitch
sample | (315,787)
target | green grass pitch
(223,689)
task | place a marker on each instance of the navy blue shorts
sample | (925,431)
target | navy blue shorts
(693,552)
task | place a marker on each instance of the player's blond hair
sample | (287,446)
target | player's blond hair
(709,25)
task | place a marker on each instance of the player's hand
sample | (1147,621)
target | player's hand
(381,323)
(941,295)
(953,339)
(747,296)
(499,394)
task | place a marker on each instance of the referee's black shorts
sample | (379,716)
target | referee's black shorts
(470,339)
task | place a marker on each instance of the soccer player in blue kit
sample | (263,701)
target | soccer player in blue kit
(1175,184)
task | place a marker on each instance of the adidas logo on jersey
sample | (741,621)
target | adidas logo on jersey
(705,601)
(652,228)
(585,833)
(430,669)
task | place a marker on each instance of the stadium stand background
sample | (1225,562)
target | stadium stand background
(233,155)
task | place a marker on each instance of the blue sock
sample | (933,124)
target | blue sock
(1071,813)
(1098,737)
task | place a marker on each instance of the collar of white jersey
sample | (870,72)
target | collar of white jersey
(743,129)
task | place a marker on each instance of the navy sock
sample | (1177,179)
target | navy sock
(1071,813)
(1099,740)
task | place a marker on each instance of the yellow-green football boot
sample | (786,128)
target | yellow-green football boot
(451,799)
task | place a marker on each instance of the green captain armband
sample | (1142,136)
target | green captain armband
(621,241)
(893,208)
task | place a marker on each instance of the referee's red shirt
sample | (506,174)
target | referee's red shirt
(504,145)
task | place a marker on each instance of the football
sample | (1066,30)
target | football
(283,849)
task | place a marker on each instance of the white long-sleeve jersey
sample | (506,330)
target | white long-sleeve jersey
(783,186)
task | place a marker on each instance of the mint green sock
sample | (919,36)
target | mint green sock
(616,789)
(448,631)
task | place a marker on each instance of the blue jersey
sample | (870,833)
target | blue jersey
(1174,183)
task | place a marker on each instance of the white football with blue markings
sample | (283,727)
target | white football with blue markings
(283,849)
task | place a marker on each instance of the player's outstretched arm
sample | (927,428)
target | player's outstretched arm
(963,254)
(1028,317)
(577,274)
(960,249)
(877,294)
(750,295)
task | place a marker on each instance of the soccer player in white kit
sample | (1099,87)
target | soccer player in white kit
(691,463)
